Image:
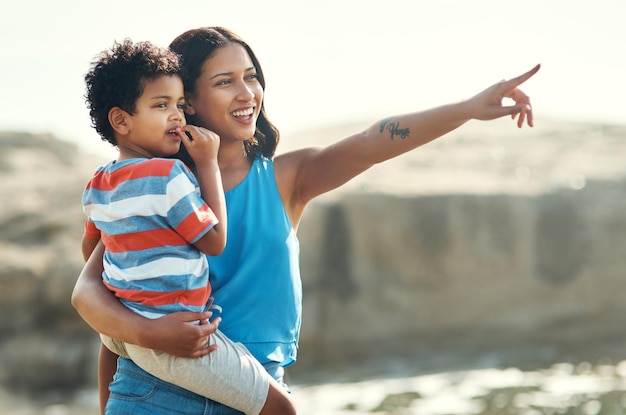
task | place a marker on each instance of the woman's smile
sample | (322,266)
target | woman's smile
(244,115)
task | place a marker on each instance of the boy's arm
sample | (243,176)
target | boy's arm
(91,236)
(210,180)
(203,147)
(88,245)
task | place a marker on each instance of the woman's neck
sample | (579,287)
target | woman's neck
(234,165)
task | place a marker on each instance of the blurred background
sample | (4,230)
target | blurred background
(480,274)
(328,61)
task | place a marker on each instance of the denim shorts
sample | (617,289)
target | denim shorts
(136,392)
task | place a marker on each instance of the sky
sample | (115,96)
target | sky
(329,61)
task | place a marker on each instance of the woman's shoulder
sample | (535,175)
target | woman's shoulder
(295,157)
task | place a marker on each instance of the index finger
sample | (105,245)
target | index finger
(189,129)
(518,80)
(191,316)
(210,328)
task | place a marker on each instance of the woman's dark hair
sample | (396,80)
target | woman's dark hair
(196,46)
(117,78)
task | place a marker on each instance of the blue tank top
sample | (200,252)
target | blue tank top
(256,280)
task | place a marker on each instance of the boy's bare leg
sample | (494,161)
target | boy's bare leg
(278,401)
(107,366)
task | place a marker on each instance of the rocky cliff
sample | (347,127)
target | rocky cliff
(489,239)
(43,342)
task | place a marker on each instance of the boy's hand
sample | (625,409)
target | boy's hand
(201,144)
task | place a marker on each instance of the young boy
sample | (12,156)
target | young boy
(157,221)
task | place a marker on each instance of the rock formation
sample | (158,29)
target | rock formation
(491,239)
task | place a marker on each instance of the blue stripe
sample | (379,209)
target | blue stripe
(183,209)
(161,284)
(166,309)
(144,256)
(151,185)
(132,224)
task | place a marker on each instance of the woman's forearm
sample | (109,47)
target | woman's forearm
(178,334)
(100,308)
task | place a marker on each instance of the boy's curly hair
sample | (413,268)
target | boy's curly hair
(117,77)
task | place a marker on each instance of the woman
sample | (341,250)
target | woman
(265,199)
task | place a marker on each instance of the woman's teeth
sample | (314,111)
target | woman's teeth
(243,113)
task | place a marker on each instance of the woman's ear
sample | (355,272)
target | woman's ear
(189,110)
(118,120)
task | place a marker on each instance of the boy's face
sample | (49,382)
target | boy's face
(155,129)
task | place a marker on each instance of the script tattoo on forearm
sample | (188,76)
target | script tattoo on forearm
(394,129)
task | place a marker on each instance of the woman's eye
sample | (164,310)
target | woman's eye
(161,105)
(223,82)
(181,106)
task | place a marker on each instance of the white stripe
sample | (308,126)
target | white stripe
(152,316)
(165,266)
(146,314)
(132,206)
(178,188)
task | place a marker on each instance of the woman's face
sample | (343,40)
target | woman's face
(228,94)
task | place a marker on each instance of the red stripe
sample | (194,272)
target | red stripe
(196,222)
(103,180)
(91,231)
(136,241)
(197,297)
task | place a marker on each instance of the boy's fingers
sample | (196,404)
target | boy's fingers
(211,327)
(203,351)
(190,316)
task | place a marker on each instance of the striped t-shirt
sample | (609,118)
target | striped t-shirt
(148,212)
